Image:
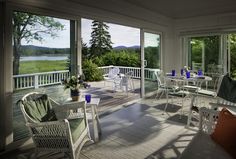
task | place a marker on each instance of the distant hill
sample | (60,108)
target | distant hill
(32,50)
(126,47)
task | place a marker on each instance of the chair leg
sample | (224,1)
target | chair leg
(162,92)
(167,102)
(126,88)
(190,112)
(182,106)
(73,155)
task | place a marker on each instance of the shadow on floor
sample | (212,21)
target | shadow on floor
(171,108)
(173,149)
(179,119)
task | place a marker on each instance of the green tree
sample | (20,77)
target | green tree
(31,27)
(232,38)
(85,51)
(101,39)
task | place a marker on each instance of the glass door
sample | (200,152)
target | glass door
(151,62)
(206,54)
(232,54)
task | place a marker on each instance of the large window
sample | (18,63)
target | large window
(213,54)
(41,59)
(205,53)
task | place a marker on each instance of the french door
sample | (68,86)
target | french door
(151,61)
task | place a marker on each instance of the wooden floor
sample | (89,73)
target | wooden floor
(132,130)
(137,131)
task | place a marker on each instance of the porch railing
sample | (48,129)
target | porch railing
(37,80)
(148,72)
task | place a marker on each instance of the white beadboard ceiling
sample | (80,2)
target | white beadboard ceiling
(175,9)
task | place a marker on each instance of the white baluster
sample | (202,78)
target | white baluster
(36,80)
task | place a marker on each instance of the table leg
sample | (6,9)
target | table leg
(95,124)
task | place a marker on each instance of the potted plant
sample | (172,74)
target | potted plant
(73,84)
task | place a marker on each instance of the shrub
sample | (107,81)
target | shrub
(91,71)
(98,61)
(123,58)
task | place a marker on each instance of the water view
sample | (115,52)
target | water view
(43,58)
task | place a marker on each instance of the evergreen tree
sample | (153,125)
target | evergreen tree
(101,39)
(85,51)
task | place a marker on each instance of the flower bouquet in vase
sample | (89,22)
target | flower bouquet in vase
(73,84)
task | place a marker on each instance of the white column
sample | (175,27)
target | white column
(79,46)
(142,63)
(6,75)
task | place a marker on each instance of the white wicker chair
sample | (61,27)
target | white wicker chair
(127,82)
(202,146)
(113,77)
(54,133)
(193,116)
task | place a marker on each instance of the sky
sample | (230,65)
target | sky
(120,35)
(61,41)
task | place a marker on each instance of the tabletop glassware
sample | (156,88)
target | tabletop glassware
(173,73)
(88,98)
(199,72)
(188,74)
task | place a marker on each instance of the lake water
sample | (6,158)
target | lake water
(42,58)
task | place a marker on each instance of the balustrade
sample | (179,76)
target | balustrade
(37,80)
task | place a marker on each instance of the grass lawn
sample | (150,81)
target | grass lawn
(27,67)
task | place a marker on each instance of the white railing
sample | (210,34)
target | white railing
(37,80)
(148,72)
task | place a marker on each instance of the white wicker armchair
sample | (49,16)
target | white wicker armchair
(50,130)
(202,146)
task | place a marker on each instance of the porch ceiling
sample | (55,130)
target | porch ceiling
(175,9)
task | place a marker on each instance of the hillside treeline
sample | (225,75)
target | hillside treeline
(30,50)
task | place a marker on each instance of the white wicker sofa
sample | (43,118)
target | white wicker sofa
(202,146)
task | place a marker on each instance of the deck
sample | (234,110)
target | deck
(138,131)
(110,100)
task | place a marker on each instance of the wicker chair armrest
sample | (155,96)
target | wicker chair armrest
(208,120)
(71,110)
(48,123)
(73,105)
(54,103)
